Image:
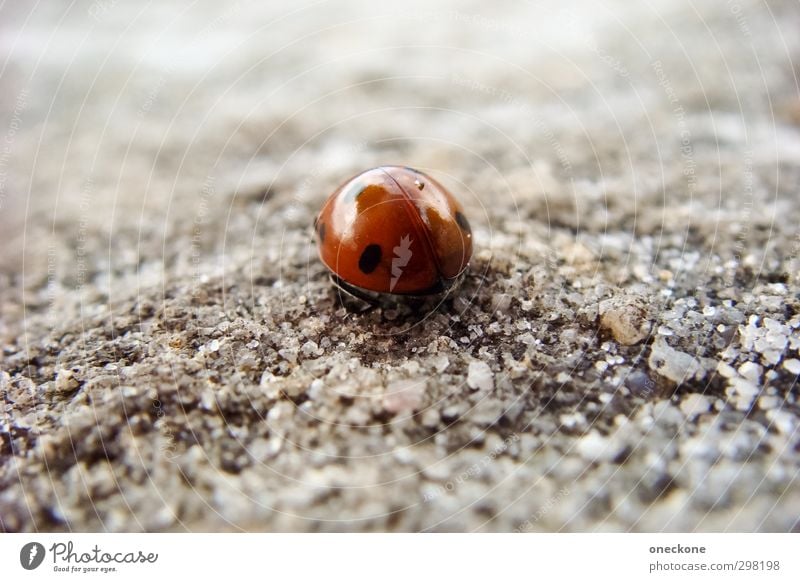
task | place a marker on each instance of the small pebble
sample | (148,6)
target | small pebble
(404,395)
(65,381)
(673,364)
(694,404)
(626,319)
(480,376)
(792,366)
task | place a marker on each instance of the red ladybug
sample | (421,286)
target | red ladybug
(393,230)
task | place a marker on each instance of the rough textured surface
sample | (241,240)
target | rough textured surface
(623,356)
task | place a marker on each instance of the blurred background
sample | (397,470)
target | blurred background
(161,163)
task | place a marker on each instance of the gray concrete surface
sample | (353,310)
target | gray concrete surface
(623,356)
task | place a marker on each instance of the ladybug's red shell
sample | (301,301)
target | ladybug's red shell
(394,230)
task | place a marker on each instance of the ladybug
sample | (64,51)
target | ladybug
(393,231)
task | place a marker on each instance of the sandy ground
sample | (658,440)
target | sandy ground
(623,355)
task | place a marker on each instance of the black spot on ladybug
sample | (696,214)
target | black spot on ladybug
(369,259)
(463,222)
(321,231)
